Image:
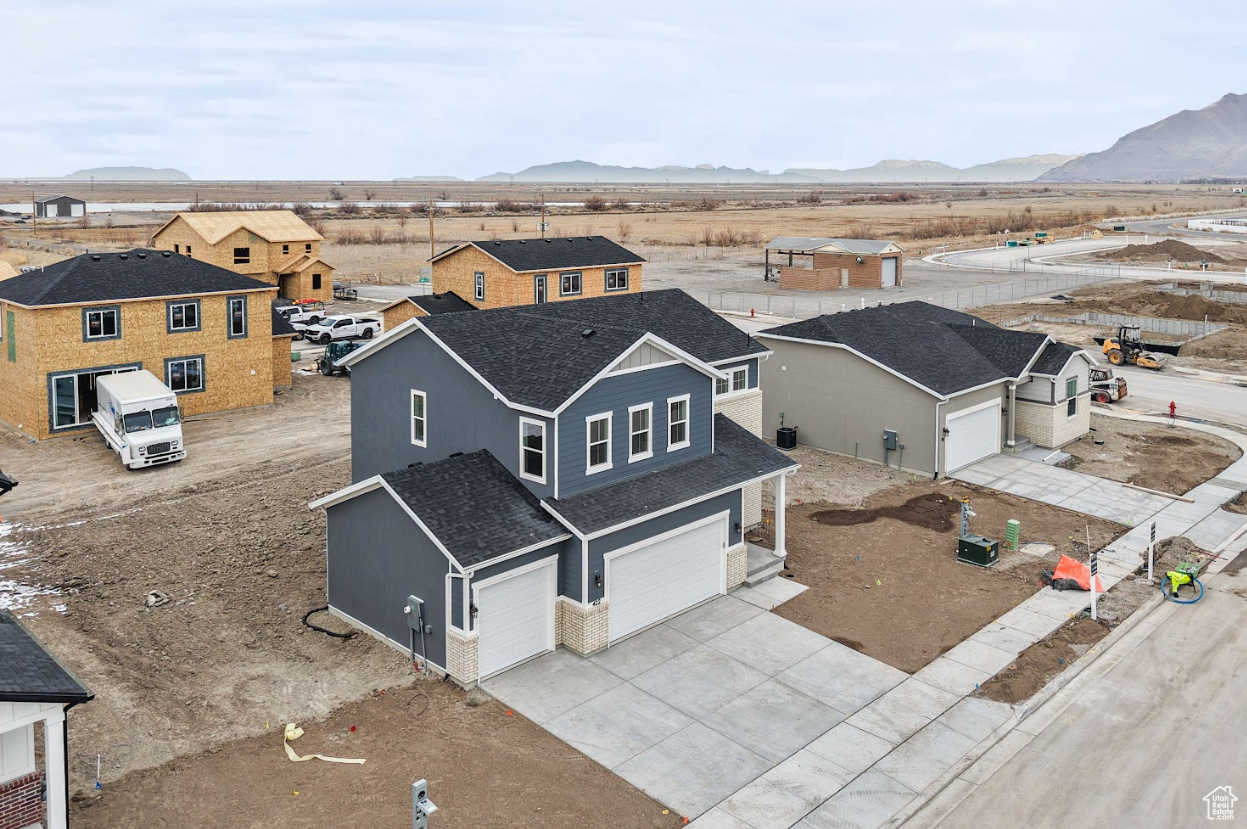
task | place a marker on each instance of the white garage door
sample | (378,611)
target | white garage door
(660,577)
(75,210)
(972,436)
(515,618)
(889,272)
(49,211)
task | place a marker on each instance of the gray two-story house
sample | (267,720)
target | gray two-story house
(525,478)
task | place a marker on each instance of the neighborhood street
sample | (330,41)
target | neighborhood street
(1145,744)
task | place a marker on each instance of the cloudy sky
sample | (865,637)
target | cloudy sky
(373,89)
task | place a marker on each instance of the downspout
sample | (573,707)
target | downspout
(1013,401)
(939,439)
(65,758)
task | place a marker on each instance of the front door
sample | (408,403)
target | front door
(539,289)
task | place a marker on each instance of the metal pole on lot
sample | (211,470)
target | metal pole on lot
(1151,551)
(1094,566)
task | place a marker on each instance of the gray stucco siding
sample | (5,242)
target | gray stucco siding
(615,394)
(377,558)
(599,547)
(842,403)
(462,415)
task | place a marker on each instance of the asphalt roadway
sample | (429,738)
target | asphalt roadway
(1143,745)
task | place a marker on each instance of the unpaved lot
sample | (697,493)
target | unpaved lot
(883,573)
(485,769)
(1149,454)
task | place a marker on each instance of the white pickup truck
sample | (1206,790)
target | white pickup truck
(139,418)
(342,328)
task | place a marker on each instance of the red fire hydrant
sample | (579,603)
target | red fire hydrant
(1173,410)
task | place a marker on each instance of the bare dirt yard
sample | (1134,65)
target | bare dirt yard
(880,558)
(1225,351)
(485,769)
(1149,454)
(191,693)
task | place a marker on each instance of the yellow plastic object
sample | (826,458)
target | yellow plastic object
(293,732)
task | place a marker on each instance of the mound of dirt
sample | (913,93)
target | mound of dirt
(1237,504)
(1172,306)
(931,512)
(1170,249)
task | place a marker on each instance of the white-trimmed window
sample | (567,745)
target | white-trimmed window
(533,450)
(598,442)
(185,374)
(640,432)
(419,419)
(480,286)
(616,279)
(183,316)
(677,423)
(1071,397)
(737,380)
(569,284)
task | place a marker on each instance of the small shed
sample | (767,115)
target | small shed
(828,264)
(34,688)
(60,207)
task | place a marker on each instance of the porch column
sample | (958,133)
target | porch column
(781,510)
(54,770)
(1013,400)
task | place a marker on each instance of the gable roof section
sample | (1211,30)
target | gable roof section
(943,351)
(474,507)
(30,673)
(738,458)
(811,244)
(56,196)
(444,303)
(1055,356)
(136,274)
(302,262)
(566,253)
(272,225)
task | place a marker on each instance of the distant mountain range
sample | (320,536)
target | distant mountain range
(128,174)
(885,172)
(1204,143)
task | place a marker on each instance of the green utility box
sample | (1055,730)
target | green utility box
(975,549)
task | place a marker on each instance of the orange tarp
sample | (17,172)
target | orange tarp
(1067,568)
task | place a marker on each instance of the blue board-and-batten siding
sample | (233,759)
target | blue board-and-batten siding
(615,394)
(377,557)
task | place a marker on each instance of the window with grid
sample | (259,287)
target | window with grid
(533,450)
(480,286)
(599,442)
(1071,394)
(640,432)
(419,419)
(677,423)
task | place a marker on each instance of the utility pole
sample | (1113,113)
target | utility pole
(34,215)
(432,247)
(543,215)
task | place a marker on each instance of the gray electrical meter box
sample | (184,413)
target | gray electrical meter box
(889,438)
(414,613)
(421,806)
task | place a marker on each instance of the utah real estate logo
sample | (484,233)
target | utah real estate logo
(1220,803)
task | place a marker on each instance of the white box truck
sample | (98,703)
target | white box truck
(139,418)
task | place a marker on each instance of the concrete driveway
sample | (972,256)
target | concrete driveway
(696,708)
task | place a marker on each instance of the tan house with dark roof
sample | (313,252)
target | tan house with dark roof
(274,246)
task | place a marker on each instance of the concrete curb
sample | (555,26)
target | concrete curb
(1021,713)
(1210,376)
(948,804)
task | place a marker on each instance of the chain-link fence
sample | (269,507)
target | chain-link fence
(803,307)
(1190,329)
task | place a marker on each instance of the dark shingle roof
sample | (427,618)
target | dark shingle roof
(29,673)
(738,457)
(945,351)
(671,314)
(474,506)
(1053,358)
(558,254)
(107,277)
(282,326)
(537,355)
(447,303)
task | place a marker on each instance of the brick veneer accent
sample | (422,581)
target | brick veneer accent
(1049,426)
(746,410)
(461,656)
(582,629)
(738,562)
(809,279)
(20,801)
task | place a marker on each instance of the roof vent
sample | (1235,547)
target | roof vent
(522,241)
(455,455)
(548,241)
(496,242)
(95,257)
(587,333)
(142,255)
(165,254)
(122,256)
